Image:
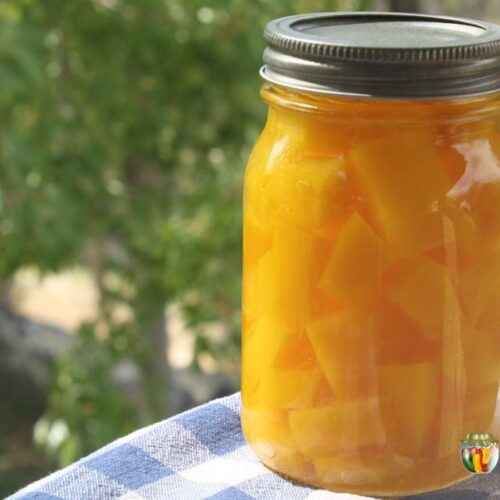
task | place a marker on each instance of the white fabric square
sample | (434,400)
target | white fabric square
(176,487)
(328,495)
(224,471)
(131,495)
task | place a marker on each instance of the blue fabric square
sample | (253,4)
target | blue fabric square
(230,494)
(216,426)
(271,485)
(39,495)
(462,495)
(128,465)
(82,482)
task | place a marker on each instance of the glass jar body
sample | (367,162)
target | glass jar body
(371,285)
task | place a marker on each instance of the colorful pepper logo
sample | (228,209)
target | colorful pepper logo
(479,453)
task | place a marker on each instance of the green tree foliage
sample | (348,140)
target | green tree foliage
(125,129)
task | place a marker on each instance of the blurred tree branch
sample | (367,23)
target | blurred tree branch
(126,127)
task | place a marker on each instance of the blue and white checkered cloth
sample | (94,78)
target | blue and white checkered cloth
(199,454)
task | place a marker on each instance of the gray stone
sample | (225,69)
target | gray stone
(27,350)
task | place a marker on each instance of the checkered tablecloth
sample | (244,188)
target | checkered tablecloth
(199,454)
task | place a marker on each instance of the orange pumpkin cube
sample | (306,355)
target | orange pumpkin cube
(357,262)
(344,344)
(409,399)
(425,292)
(340,427)
(403,185)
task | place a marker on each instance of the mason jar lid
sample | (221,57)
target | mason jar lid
(373,54)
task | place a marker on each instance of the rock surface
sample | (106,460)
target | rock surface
(27,349)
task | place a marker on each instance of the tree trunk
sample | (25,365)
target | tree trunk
(95,256)
(155,368)
(475,10)
(404,5)
(5,290)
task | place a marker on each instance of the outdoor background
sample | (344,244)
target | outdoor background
(125,128)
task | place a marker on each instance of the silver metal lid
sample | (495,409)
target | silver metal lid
(373,54)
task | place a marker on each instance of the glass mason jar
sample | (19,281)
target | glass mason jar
(371,281)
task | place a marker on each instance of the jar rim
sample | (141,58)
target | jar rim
(383,55)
